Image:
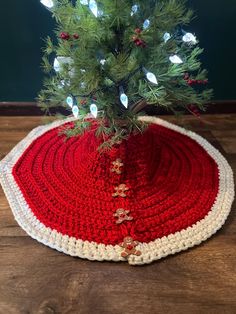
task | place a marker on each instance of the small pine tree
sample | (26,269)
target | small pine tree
(112,58)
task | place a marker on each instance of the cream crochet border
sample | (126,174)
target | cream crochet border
(151,251)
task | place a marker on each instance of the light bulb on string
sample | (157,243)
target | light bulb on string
(70,101)
(146,24)
(84,2)
(175,59)
(93,7)
(103,61)
(166,37)
(150,76)
(56,65)
(75,111)
(134,9)
(94,110)
(59,61)
(47,3)
(123,97)
(189,38)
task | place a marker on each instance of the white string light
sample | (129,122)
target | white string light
(175,59)
(75,111)
(70,101)
(123,97)
(103,61)
(47,3)
(94,110)
(189,38)
(84,2)
(59,61)
(93,7)
(146,24)
(56,65)
(166,37)
(150,76)
(134,9)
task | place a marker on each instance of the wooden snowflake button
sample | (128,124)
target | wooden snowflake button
(120,190)
(122,215)
(117,165)
(129,246)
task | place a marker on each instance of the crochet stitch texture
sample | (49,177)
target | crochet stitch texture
(178,191)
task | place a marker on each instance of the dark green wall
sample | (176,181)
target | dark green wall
(215,28)
(24,24)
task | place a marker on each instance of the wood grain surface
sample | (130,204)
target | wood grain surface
(39,280)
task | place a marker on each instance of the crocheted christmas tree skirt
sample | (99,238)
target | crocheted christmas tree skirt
(150,196)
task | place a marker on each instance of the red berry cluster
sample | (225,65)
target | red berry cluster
(83,102)
(137,38)
(194,110)
(67,36)
(194,82)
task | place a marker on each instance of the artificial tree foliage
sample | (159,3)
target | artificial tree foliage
(106,48)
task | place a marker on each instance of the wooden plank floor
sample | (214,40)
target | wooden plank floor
(39,280)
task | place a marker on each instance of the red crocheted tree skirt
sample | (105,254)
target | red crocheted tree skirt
(150,196)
